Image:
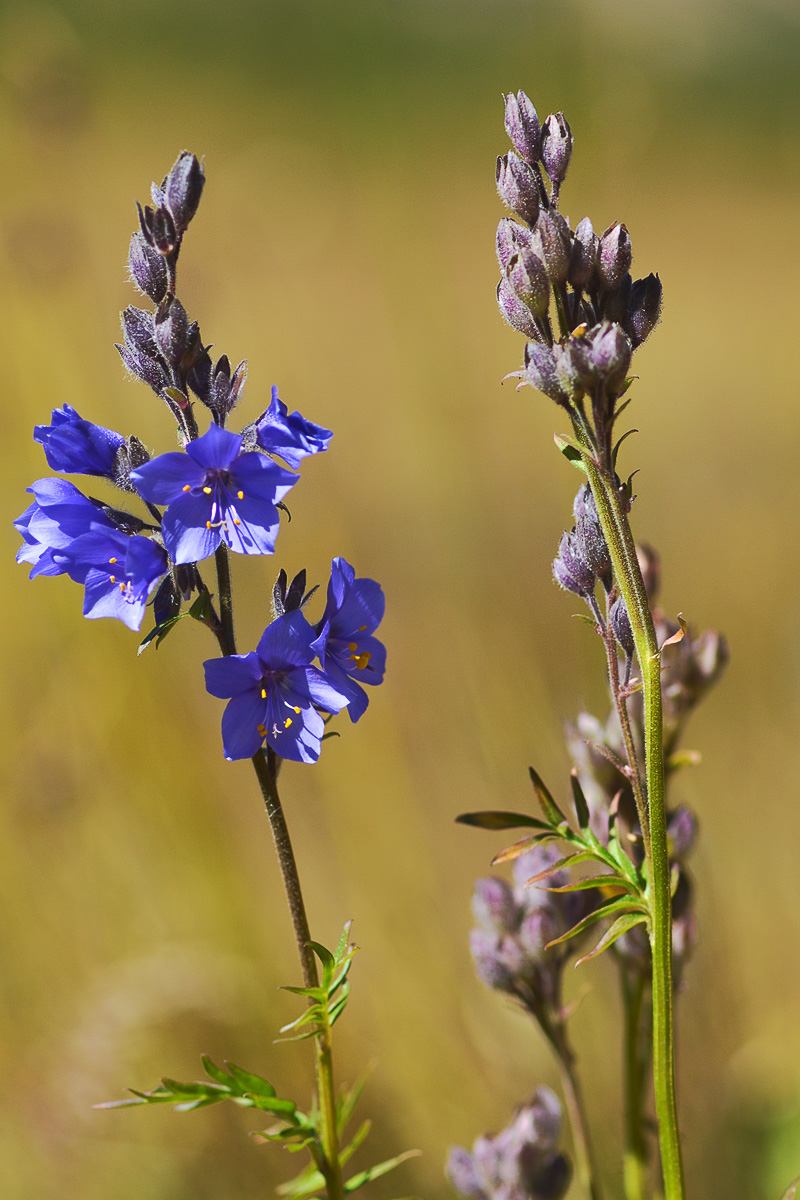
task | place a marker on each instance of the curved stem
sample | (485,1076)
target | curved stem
(616,528)
(634,1161)
(556,1035)
(621,706)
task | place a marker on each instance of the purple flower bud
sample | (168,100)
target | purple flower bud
(614,257)
(543,1117)
(506,242)
(522,127)
(540,372)
(552,241)
(552,1179)
(711,655)
(682,831)
(571,569)
(514,311)
(644,309)
(149,370)
(528,278)
(518,187)
(493,965)
(610,352)
(650,566)
(461,1173)
(163,232)
(592,544)
(148,269)
(538,929)
(615,304)
(138,329)
(556,147)
(583,257)
(494,906)
(621,626)
(171,332)
(183,188)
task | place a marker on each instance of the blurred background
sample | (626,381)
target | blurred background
(345,246)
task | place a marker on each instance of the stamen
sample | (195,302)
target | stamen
(297,710)
(208,524)
(287,722)
(236,521)
(263,693)
(240,495)
(112,579)
(112,560)
(361,660)
(207,491)
(187,487)
(262,729)
(361,629)
(352,647)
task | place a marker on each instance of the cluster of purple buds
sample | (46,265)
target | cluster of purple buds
(221,489)
(603,313)
(521,1162)
(515,924)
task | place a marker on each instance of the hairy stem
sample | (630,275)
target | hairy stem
(616,528)
(636,1060)
(621,706)
(556,1035)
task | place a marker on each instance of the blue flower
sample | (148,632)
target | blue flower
(77,446)
(291,437)
(118,570)
(60,513)
(344,644)
(215,494)
(272,693)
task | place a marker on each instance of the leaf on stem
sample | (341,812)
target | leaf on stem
(522,847)
(548,805)
(357,1181)
(500,820)
(621,925)
(581,806)
(622,905)
(571,451)
(568,860)
(676,637)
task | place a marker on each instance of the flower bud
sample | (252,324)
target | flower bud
(522,127)
(171,332)
(556,147)
(614,257)
(650,566)
(149,370)
(590,539)
(506,242)
(493,964)
(518,187)
(183,188)
(570,568)
(552,235)
(494,906)
(583,256)
(540,372)
(138,329)
(537,930)
(610,351)
(644,309)
(621,626)
(528,278)
(514,311)
(167,601)
(148,269)
(461,1173)
(615,304)
(682,831)
(163,231)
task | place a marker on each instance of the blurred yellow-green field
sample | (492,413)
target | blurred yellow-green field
(344,246)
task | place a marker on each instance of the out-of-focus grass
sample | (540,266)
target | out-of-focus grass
(344,245)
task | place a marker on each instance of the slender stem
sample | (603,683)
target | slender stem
(266,767)
(616,528)
(556,1034)
(634,1161)
(621,706)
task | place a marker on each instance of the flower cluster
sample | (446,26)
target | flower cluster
(515,924)
(221,491)
(521,1162)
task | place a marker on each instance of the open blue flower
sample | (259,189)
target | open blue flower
(290,436)
(272,694)
(60,513)
(77,446)
(215,494)
(344,643)
(118,570)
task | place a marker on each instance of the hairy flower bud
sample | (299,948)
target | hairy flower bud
(589,537)
(148,269)
(681,831)
(494,965)
(556,147)
(583,256)
(644,309)
(650,566)
(171,332)
(518,187)
(571,569)
(552,240)
(514,311)
(528,278)
(183,188)
(541,372)
(621,626)
(522,127)
(610,351)
(138,329)
(614,257)
(615,304)
(494,906)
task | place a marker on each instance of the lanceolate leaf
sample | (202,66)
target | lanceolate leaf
(569,860)
(500,820)
(520,848)
(621,925)
(357,1181)
(581,807)
(548,805)
(612,908)
(595,881)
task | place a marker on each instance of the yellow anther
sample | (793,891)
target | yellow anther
(287,722)
(112,579)
(361,660)
(352,647)
(207,491)
(187,487)
(579,330)
(263,693)
(112,560)
(361,629)
(122,587)
(240,495)
(262,729)
(208,524)
(236,521)
(296,709)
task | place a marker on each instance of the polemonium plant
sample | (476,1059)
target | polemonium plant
(176,515)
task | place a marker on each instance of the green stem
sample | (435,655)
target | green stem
(634,1161)
(616,528)
(556,1033)
(266,767)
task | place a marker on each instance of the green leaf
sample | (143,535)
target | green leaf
(567,861)
(581,807)
(605,910)
(201,608)
(572,453)
(349,1098)
(548,805)
(360,1137)
(791,1191)
(159,632)
(621,925)
(313,993)
(500,820)
(216,1072)
(615,451)
(324,956)
(357,1181)
(595,881)
(309,1180)
(683,758)
(520,848)
(248,1082)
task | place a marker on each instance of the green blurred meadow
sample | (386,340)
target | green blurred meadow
(344,245)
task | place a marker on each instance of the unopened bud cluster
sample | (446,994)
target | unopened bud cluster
(514,925)
(519,1163)
(602,313)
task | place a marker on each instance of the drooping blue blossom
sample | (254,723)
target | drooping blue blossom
(119,571)
(215,493)
(348,652)
(290,436)
(272,693)
(76,446)
(60,513)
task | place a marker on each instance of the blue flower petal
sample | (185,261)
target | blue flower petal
(163,479)
(230,676)
(240,736)
(185,528)
(215,449)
